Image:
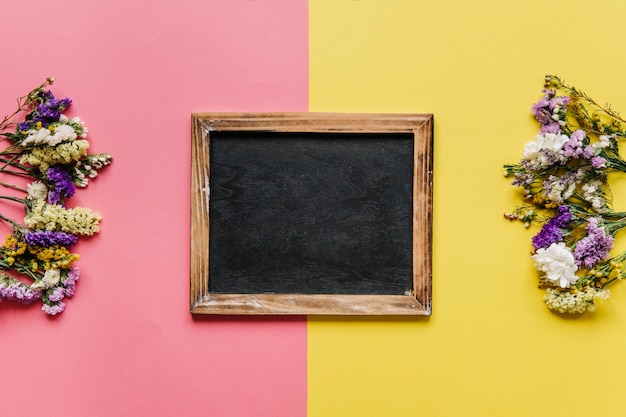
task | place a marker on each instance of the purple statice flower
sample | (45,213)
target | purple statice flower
(23,127)
(548,235)
(62,184)
(46,115)
(45,95)
(53,309)
(70,282)
(50,238)
(563,216)
(17,291)
(56,294)
(59,104)
(552,232)
(594,247)
(50,109)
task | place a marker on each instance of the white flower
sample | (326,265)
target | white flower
(50,278)
(603,143)
(62,133)
(592,193)
(547,141)
(36,136)
(80,127)
(558,264)
(559,193)
(37,190)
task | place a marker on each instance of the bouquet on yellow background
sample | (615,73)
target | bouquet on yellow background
(49,152)
(564,176)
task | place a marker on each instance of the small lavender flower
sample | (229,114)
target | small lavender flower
(53,309)
(70,282)
(541,110)
(598,162)
(56,294)
(16,291)
(50,238)
(574,146)
(550,111)
(594,247)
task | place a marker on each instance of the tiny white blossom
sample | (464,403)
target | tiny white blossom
(604,142)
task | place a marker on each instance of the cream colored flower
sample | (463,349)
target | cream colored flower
(50,278)
(37,190)
(579,302)
(63,153)
(78,220)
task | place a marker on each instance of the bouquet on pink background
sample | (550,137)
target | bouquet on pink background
(564,176)
(49,152)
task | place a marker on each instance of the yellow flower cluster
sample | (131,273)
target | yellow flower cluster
(36,257)
(53,257)
(12,248)
(77,221)
(64,153)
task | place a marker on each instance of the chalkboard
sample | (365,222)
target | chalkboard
(305,213)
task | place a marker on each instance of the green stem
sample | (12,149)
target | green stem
(14,187)
(19,200)
(20,268)
(10,221)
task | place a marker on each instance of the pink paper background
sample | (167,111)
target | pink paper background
(127,345)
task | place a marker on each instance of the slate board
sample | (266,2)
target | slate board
(310,213)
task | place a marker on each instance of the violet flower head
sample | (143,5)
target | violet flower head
(594,247)
(549,110)
(548,235)
(56,294)
(59,104)
(53,309)
(17,291)
(46,115)
(551,231)
(48,238)
(563,216)
(62,184)
(541,111)
(598,162)
(574,146)
(23,127)
(70,282)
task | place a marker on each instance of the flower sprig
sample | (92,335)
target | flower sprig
(49,152)
(564,174)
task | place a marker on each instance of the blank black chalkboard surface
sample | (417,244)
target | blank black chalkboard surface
(311,213)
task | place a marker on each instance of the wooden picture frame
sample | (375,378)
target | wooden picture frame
(417,301)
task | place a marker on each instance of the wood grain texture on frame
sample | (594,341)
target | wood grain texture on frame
(418,302)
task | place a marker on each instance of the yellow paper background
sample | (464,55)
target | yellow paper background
(491,347)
